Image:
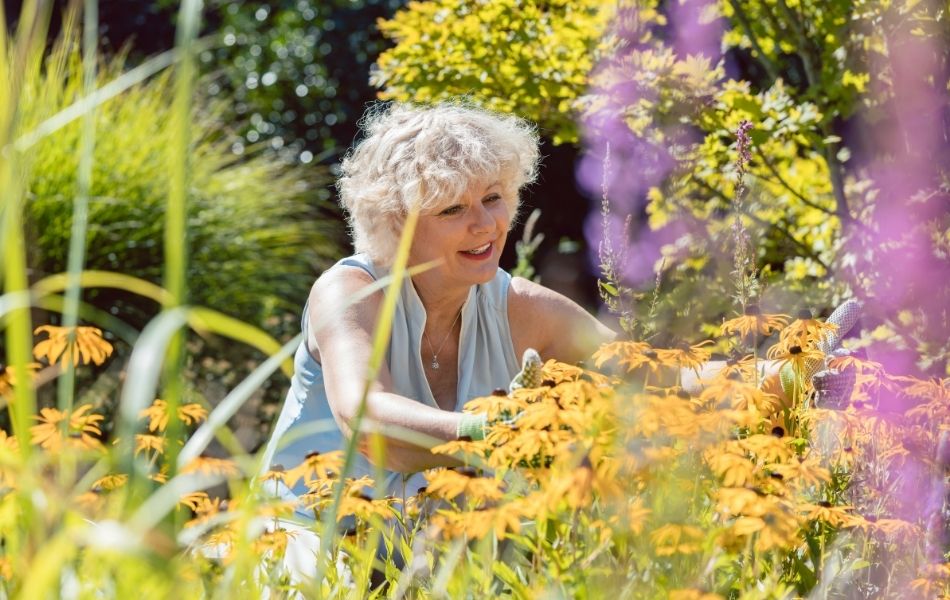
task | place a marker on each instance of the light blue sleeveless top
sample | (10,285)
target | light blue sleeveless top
(486,361)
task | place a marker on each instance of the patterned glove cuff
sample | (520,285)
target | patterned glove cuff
(472,427)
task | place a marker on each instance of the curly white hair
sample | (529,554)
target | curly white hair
(427,157)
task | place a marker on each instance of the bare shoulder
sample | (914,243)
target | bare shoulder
(551,323)
(339,301)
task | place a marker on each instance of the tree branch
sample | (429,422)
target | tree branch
(788,186)
(785,233)
(767,63)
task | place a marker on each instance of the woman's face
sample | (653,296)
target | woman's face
(467,236)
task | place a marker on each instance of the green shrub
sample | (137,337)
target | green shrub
(257,233)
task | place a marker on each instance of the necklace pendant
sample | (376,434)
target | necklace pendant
(435,363)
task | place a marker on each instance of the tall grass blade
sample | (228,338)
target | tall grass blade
(27,56)
(231,403)
(106,279)
(206,319)
(176,210)
(77,239)
(141,381)
(398,273)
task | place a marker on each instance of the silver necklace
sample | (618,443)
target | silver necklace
(435,355)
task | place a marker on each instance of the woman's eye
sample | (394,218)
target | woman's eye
(493,198)
(452,210)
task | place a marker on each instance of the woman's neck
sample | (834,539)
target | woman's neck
(441,306)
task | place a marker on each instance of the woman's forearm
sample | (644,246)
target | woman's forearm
(408,429)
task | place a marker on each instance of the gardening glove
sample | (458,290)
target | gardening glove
(472,427)
(833,386)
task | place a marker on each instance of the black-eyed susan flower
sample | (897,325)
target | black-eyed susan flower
(316,466)
(835,516)
(69,345)
(806,331)
(754,322)
(774,529)
(157,414)
(738,395)
(674,538)
(476,524)
(8,378)
(150,445)
(363,506)
(686,356)
(629,355)
(449,484)
(273,544)
(804,471)
(209,465)
(734,468)
(57,430)
(637,515)
(932,581)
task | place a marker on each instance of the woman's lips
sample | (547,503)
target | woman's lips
(486,254)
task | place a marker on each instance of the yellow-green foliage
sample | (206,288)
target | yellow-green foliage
(814,63)
(530,58)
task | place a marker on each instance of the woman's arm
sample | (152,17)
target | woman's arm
(551,323)
(345,347)
(559,328)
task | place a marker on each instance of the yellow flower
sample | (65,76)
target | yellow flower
(8,378)
(687,357)
(738,395)
(273,544)
(637,516)
(57,430)
(208,465)
(151,445)
(86,347)
(157,414)
(111,481)
(767,448)
(734,468)
(778,529)
(315,466)
(753,322)
(449,484)
(462,447)
(806,332)
(193,500)
(797,356)
(933,581)
(478,523)
(803,470)
(559,372)
(676,539)
(204,507)
(365,507)
(741,369)
(693,594)
(632,355)
(836,516)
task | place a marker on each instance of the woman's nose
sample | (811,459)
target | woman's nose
(483,220)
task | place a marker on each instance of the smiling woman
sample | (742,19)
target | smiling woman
(459,327)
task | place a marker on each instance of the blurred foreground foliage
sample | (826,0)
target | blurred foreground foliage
(586,485)
(846,178)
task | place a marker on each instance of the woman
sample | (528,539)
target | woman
(460,326)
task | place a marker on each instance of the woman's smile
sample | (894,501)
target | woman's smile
(480,253)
